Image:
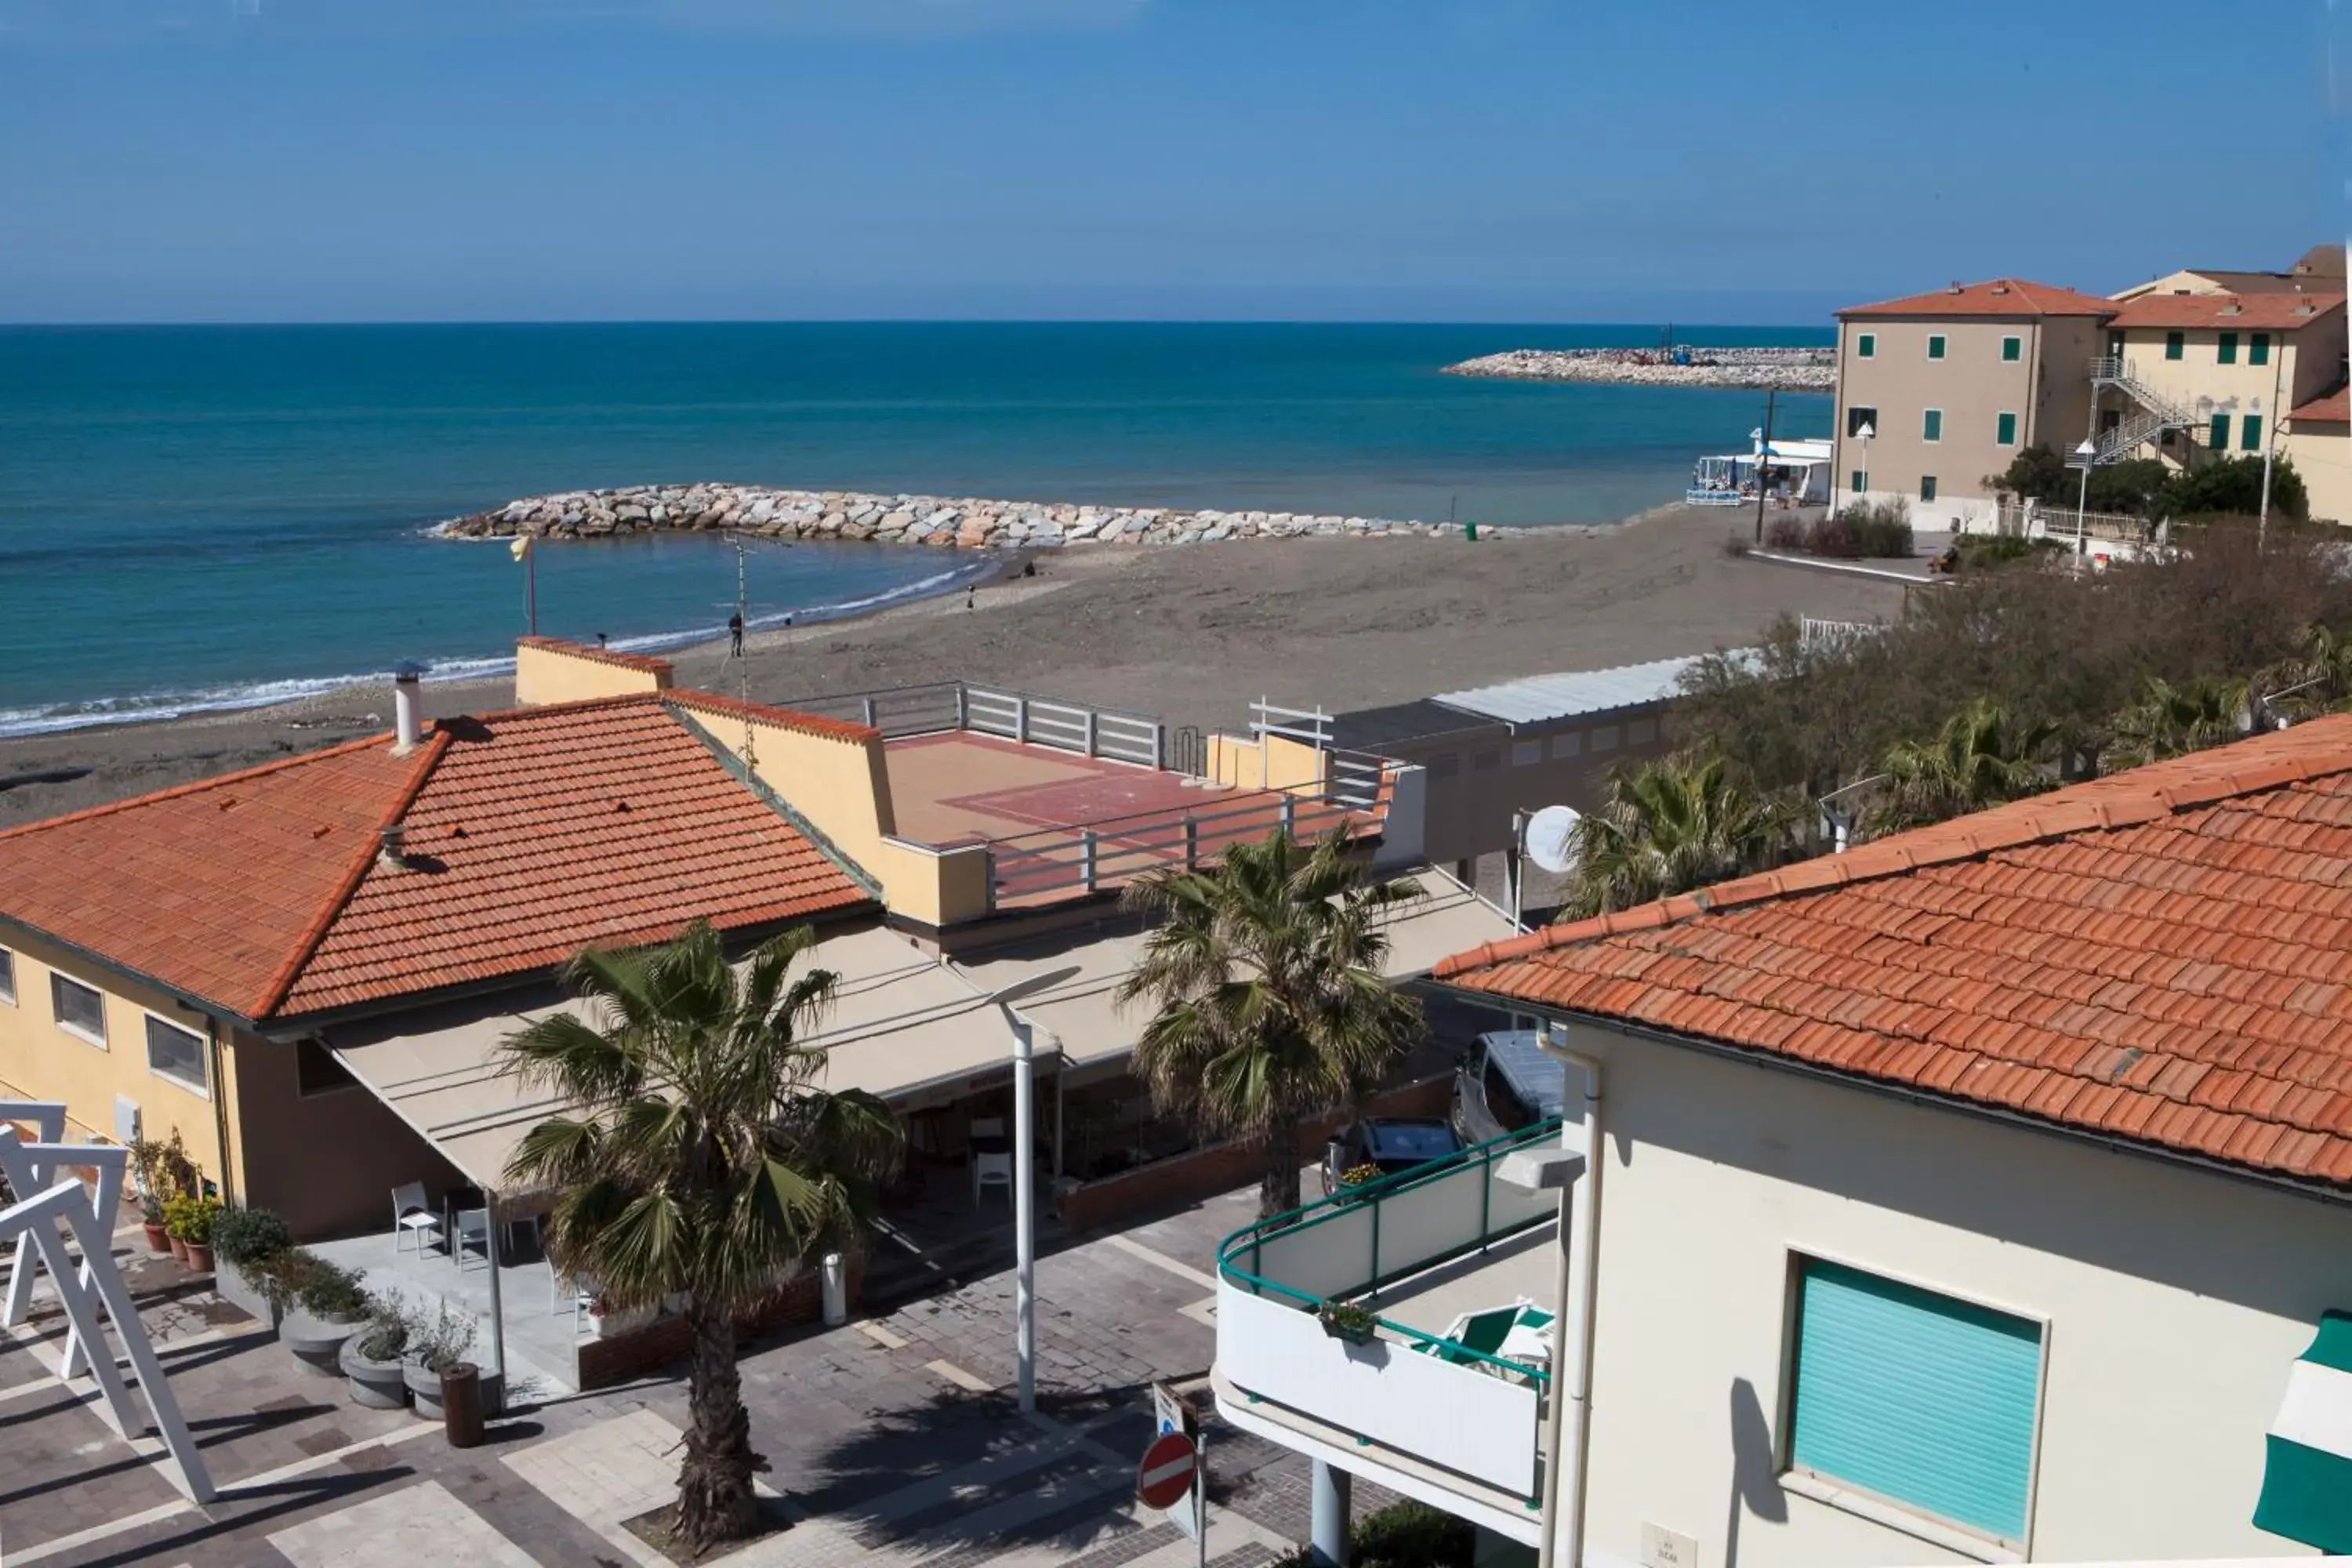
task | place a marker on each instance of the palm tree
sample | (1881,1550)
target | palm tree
(1670,826)
(1980,757)
(701,1158)
(1265,970)
(2317,679)
(2171,720)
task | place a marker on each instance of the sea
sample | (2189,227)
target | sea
(208,518)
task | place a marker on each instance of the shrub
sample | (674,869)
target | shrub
(301,1278)
(249,1236)
(1785,533)
(190,1218)
(440,1342)
(388,1326)
(1986,550)
(1879,530)
(1405,1535)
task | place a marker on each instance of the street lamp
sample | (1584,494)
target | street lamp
(1552,1170)
(1024,1168)
(1864,435)
(2087,451)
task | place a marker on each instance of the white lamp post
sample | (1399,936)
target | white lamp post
(2087,451)
(1024,1167)
(1864,435)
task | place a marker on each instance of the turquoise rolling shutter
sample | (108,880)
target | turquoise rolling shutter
(1923,1400)
(2307,1470)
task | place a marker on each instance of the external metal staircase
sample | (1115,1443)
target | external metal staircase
(2157,415)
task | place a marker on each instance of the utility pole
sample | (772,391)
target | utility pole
(1763,460)
(2270,438)
(743,666)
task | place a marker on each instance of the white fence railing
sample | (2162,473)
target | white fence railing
(1014,715)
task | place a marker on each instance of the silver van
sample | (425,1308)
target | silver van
(1506,1083)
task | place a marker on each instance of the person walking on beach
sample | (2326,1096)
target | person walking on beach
(735,635)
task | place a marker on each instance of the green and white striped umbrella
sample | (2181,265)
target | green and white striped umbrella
(2307,1477)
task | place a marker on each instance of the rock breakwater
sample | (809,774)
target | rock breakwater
(942,521)
(1790,370)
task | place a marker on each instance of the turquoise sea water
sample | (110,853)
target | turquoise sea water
(206,517)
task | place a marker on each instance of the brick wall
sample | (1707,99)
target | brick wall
(604,1362)
(1221,1167)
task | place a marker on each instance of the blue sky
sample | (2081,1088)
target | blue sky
(1479,160)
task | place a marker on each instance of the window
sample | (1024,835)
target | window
(1936,345)
(1567,745)
(1927,486)
(2258,349)
(1640,732)
(2218,436)
(1914,1397)
(2115,345)
(318,1070)
(2229,348)
(1856,417)
(2249,433)
(1866,346)
(8,977)
(80,1009)
(2004,430)
(2173,345)
(1605,739)
(1931,426)
(2011,350)
(177,1054)
(1857,481)
(1525,754)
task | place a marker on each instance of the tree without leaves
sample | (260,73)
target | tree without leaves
(1669,826)
(1265,973)
(1980,757)
(700,1157)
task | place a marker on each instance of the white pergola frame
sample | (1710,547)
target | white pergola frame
(34,1224)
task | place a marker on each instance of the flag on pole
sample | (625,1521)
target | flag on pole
(520,548)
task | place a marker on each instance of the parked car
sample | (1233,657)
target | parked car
(1506,1083)
(1393,1143)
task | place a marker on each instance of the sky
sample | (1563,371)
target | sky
(1391,160)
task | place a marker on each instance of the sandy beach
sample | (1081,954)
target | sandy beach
(1191,634)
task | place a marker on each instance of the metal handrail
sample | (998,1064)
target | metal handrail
(1374,1193)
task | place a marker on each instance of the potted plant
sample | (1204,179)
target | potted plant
(176,1219)
(322,1305)
(1347,1321)
(1358,1175)
(372,1360)
(245,1242)
(195,1230)
(436,1346)
(157,1166)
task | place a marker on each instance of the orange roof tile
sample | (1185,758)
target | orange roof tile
(767,713)
(526,836)
(1994,296)
(2332,408)
(2162,955)
(2274,312)
(638,661)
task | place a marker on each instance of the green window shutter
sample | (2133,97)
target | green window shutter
(2218,437)
(1866,346)
(1919,1398)
(1931,426)
(2229,348)
(2251,433)
(2011,350)
(2005,432)
(2258,350)
(1857,481)
(2173,343)
(1936,346)
(1927,486)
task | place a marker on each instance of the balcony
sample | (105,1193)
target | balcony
(1417,1406)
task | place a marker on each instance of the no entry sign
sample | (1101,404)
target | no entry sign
(1166,1473)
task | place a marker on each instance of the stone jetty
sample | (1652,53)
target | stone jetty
(1790,370)
(945,522)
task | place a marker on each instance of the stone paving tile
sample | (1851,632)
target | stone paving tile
(423,1523)
(63,1470)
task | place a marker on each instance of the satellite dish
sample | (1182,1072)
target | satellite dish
(1550,838)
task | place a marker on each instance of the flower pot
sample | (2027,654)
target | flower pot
(1352,1334)
(243,1292)
(199,1257)
(424,1392)
(158,1239)
(318,1343)
(179,1249)
(378,1384)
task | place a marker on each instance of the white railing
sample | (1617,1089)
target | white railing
(1016,716)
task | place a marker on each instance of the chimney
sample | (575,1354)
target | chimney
(2001,287)
(408,720)
(2233,309)
(391,847)
(1955,288)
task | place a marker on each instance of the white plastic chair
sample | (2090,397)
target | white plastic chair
(472,1225)
(560,1287)
(412,1214)
(990,1171)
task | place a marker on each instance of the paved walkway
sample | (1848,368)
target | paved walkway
(894,1440)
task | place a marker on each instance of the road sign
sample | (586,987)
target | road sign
(1166,1473)
(1173,1412)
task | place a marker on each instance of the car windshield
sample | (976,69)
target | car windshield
(1411,1143)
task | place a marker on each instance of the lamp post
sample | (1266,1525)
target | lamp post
(2087,452)
(1551,1170)
(1864,435)
(1024,1168)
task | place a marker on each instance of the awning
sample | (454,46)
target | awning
(2307,1476)
(1091,1031)
(1446,920)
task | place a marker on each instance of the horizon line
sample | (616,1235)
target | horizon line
(900,321)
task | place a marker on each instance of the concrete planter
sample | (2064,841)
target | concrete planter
(243,1292)
(424,1392)
(378,1384)
(613,1325)
(318,1343)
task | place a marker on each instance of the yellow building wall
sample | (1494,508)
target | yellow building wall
(549,671)
(41,1060)
(2322,455)
(2301,365)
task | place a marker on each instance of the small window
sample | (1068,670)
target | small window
(1525,754)
(1640,732)
(2218,438)
(1857,481)
(2249,433)
(1605,739)
(1568,745)
(1931,426)
(1857,416)
(177,1054)
(2258,349)
(318,1070)
(1936,345)
(1866,346)
(2004,430)
(1486,761)
(1445,765)
(80,1009)
(2115,345)
(8,977)
(2011,350)
(1915,1398)
(2174,344)
(2229,348)
(1927,486)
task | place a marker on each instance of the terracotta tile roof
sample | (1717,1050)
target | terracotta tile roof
(651,666)
(782,718)
(2333,407)
(1994,296)
(526,836)
(2257,312)
(2163,955)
